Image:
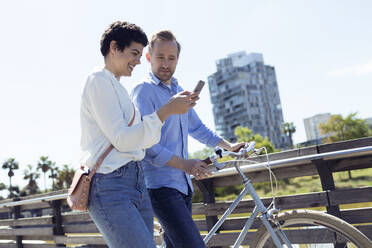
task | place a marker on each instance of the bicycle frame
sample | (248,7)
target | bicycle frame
(259,208)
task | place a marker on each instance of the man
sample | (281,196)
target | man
(166,164)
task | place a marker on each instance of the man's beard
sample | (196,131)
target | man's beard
(165,77)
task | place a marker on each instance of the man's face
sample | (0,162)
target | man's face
(163,59)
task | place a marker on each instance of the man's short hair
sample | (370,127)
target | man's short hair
(164,35)
(123,33)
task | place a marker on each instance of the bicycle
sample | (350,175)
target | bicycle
(280,229)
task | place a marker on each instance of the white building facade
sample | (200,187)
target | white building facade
(312,126)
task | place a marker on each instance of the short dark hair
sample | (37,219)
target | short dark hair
(164,35)
(123,33)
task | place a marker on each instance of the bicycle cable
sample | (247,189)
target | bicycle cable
(272,176)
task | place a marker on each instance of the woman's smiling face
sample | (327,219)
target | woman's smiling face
(125,61)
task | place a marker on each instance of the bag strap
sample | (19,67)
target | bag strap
(108,150)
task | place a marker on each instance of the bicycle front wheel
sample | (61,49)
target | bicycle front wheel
(306,228)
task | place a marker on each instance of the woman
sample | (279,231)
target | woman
(118,200)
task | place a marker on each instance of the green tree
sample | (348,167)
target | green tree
(31,175)
(244,134)
(288,128)
(44,165)
(202,154)
(10,165)
(338,128)
(64,178)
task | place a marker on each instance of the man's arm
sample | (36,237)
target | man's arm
(158,154)
(200,132)
(206,136)
(193,167)
(233,147)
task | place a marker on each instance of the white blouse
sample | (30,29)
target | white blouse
(106,110)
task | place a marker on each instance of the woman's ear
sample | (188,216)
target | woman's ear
(113,47)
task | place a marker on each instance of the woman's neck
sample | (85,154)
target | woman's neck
(111,68)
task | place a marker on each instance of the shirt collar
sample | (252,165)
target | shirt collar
(109,73)
(155,80)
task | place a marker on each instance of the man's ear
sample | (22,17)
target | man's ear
(148,57)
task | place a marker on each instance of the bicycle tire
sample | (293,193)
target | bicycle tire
(314,223)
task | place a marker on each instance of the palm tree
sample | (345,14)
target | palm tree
(31,175)
(2,187)
(44,165)
(288,128)
(65,176)
(13,191)
(53,173)
(10,165)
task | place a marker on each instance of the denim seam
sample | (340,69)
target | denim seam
(103,213)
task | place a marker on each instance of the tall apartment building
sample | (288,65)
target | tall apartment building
(244,92)
(312,128)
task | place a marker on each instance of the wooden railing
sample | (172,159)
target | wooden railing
(46,221)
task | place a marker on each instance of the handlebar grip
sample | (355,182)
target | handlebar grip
(207,161)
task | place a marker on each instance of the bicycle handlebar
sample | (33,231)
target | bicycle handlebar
(219,153)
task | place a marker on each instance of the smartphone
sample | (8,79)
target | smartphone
(199,86)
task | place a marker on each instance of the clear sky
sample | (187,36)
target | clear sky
(321,50)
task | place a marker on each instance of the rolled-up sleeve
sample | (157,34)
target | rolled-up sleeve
(200,132)
(157,154)
(105,109)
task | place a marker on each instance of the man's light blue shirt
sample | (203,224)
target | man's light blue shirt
(149,96)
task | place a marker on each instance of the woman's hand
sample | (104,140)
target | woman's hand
(178,104)
(182,102)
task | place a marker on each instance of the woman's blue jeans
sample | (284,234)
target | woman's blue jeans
(121,209)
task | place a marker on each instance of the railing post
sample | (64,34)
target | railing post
(57,220)
(207,189)
(17,215)
(324,169)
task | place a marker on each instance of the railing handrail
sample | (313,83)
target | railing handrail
(228,171)
(34,200)
(291,161)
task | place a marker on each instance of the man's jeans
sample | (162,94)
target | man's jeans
(173,210)
(120,207)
